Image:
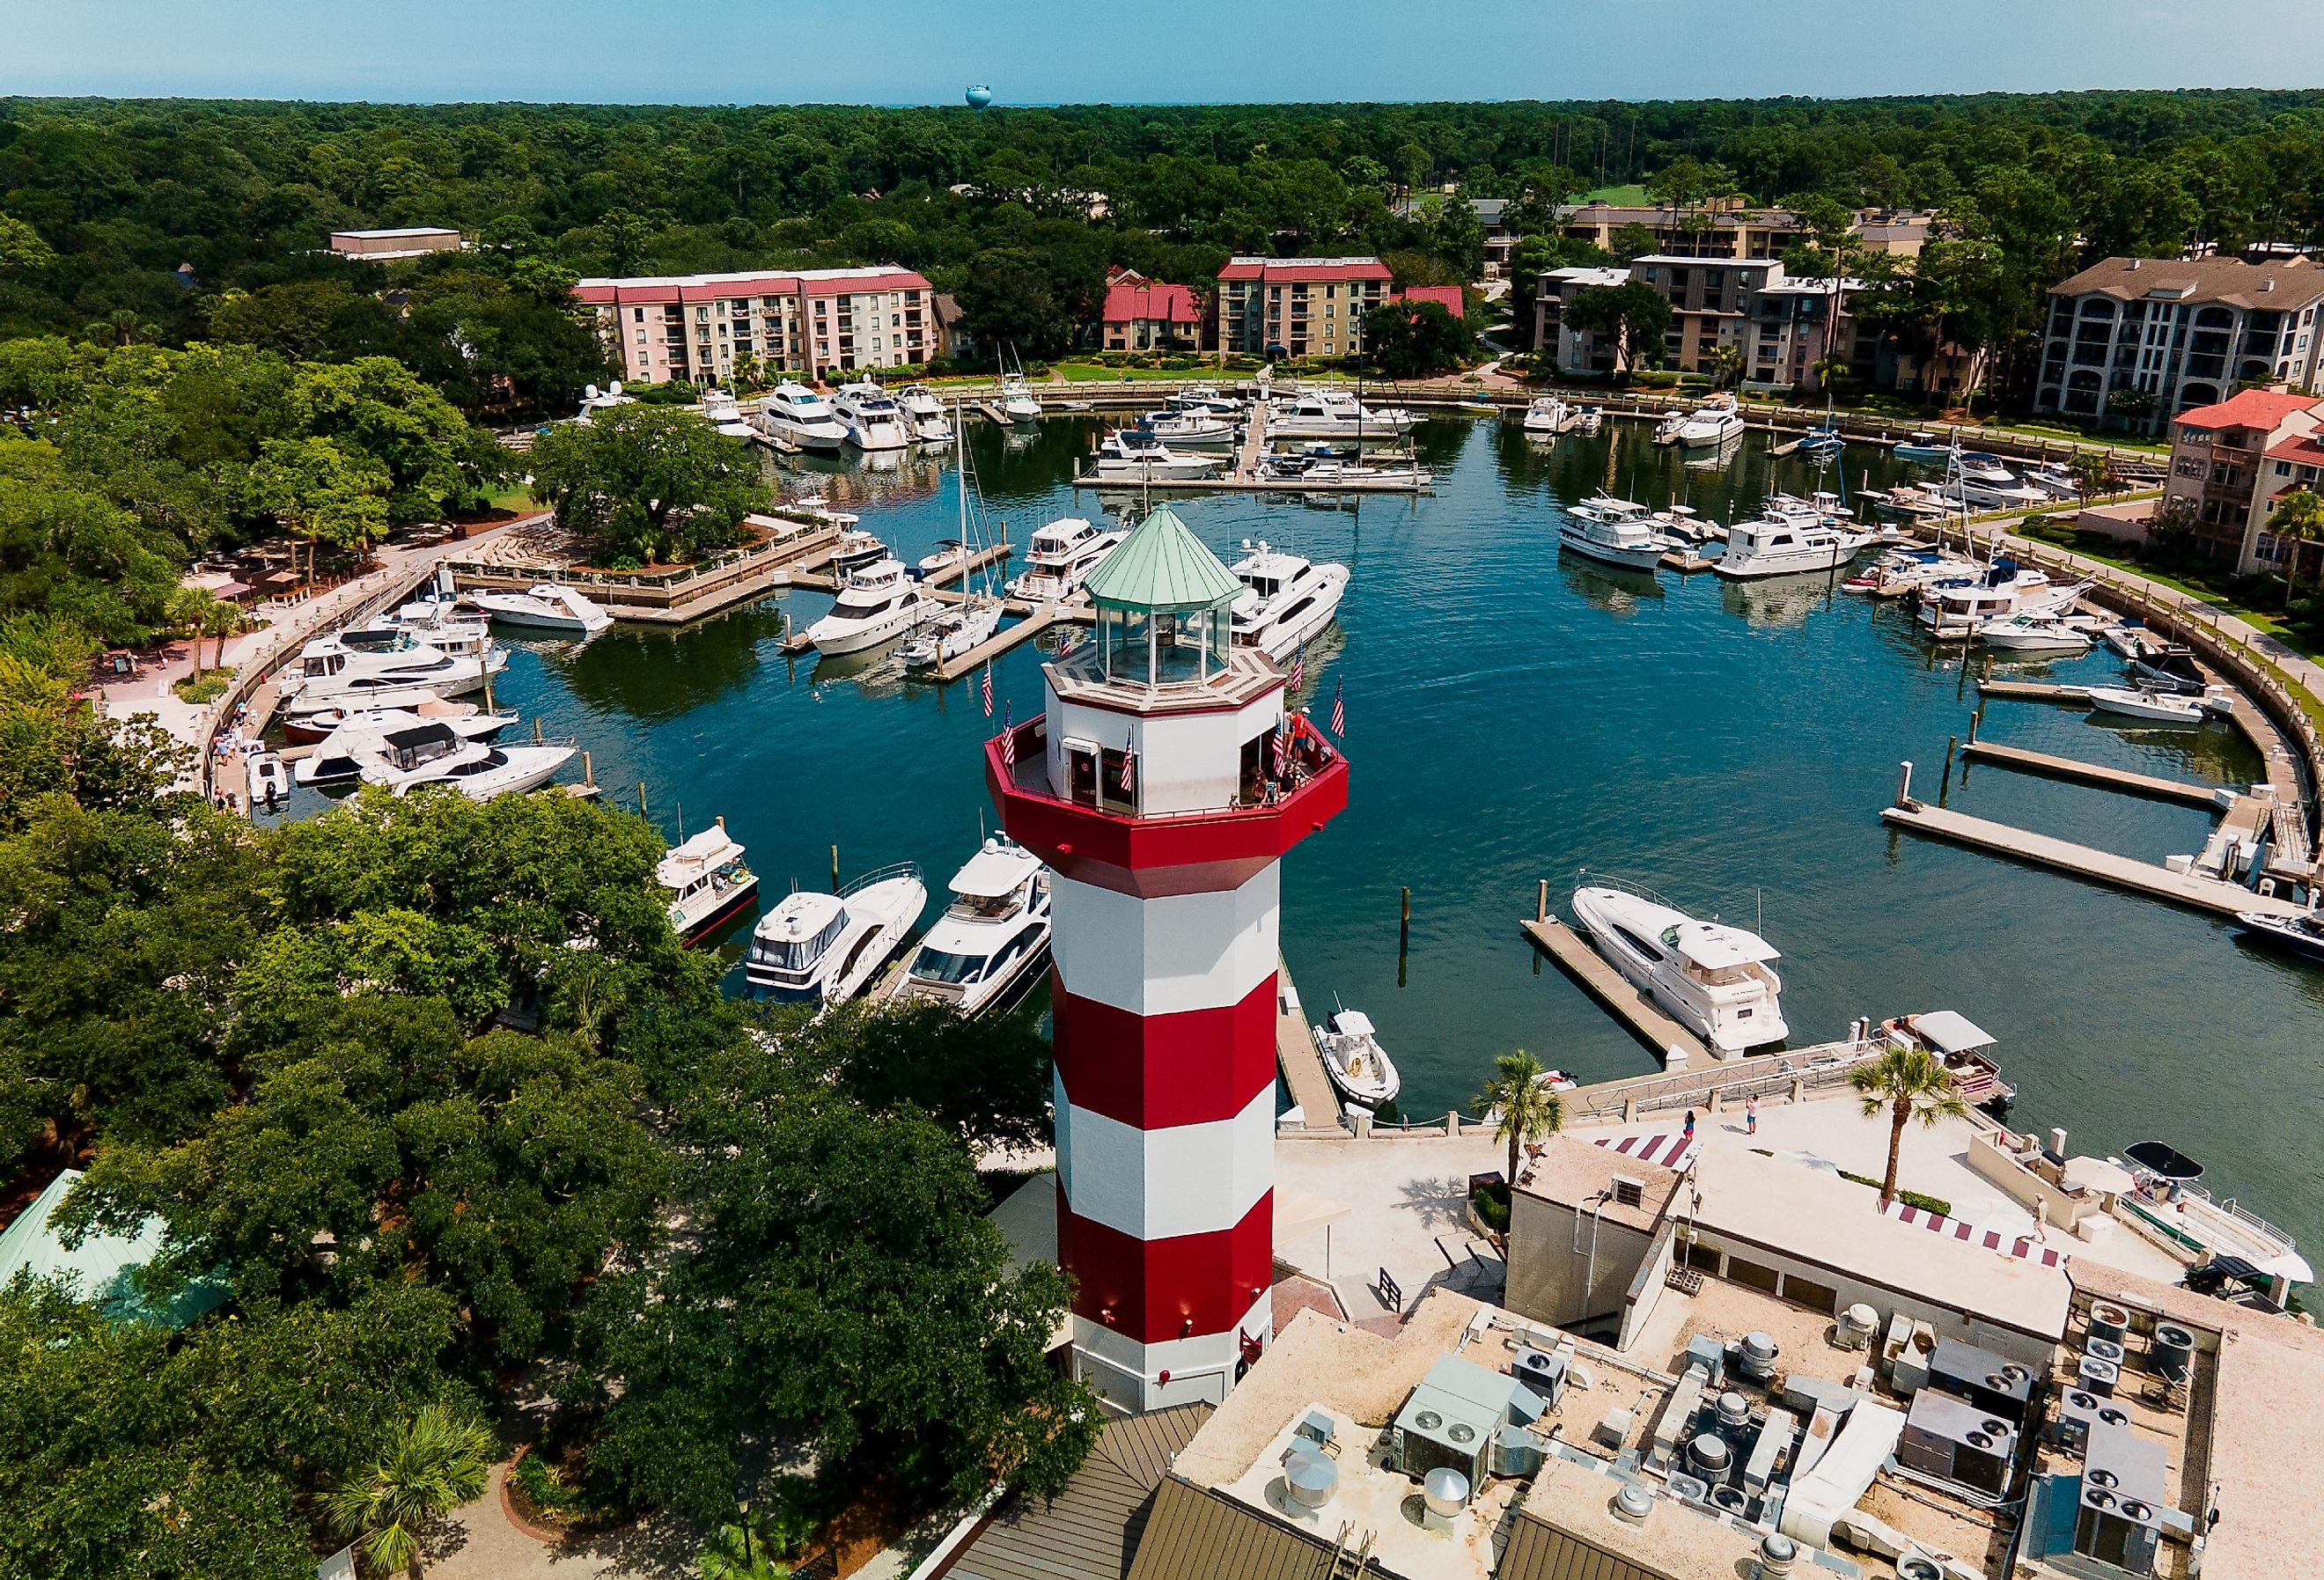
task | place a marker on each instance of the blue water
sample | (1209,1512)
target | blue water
(1515,715)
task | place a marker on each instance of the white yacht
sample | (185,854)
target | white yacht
(1355,1060)
(1612,531)
(1974,480)
(431,623)
(952,635)
(2051,479)
(796,415)
(593,400)
(268,784)
(410,672)
(1328,413)
(870,416)
(1714,422)
(1958,610)
(876,604)
(316,724)
(1320,473)
(1286,600)
(1127,453)
(923,414)
(1547,417)
(986,951)
(822,949)
(725,414)
(546,607)
(2044,635)
(1017,401)
(2158,708)
(707,880)
(1786,545)
(1206,398)
(434,753)
(339,757)
(1060,556)
(1190,431)
(1713,978)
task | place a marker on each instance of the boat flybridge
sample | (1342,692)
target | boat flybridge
(1060,558)
(1355,1060)
(986,952)
(546,607)
(1287,600)
(707,880)
(870,416)
(1328,413)
(593,400)
(403,674)
(1547,417)
(725,414)
(1713,978)
(877,603)
(436,753)
(355,736)
(796,415)
(822,949)
(1612,531)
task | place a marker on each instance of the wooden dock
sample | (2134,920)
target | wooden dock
(1254,442)
(1686,563)
(1300,1060)
(2075,771)
(2103,866)
(1011,636)
(2033,691)
(1610,988)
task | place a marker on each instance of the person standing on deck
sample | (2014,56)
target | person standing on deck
(1751,1114)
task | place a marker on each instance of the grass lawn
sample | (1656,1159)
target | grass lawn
(519,498)
(2093,546)
(1092,372)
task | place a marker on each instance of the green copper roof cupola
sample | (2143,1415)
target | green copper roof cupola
(1162,605)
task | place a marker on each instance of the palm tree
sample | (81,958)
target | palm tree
(1726,364)
(2298,518)
(439,1461)
(219,620)
(1911,1082)
(741,1551)
(1529,1107)
(188,609)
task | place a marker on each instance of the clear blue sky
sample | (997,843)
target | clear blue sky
(1036,52)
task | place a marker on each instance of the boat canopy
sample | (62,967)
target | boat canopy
(1949,1031)
(1352,1023)
(995,873)
(707,848)
(1716,948)
(2167,1162)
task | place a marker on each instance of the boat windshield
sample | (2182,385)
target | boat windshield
(943,965)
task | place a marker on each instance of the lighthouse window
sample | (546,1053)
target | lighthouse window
(1111,795)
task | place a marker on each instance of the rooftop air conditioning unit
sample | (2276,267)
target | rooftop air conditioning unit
(1992,1383)
(1954,1440)
(1629,1192)
(1541,1371)
(2120,1517)
(2077,1409)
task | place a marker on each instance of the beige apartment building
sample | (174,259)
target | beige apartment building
(1297,306)
(382,246)
(698,326)
(1781,325)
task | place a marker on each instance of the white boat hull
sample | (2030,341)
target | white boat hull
(1616,921)
(1644,557)
(2124,703)
(832,637)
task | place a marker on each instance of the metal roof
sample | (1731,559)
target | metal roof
(1542,1552)
(1194,1532)
(1162,566)
(1090,1529)
(100,1268)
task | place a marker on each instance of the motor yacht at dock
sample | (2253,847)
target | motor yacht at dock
(923,414)
(1060,558)
(1612,531)
(822,949)
(403,675)
(725,414)
(1547,417)
(1017,401)
(1355,1060)
(2040,636)
(1129,454)
(1322,473)
(1190,431)
(1955,611)
(435,753)
(985,952)
(546,607)
(1714,979)
(798,415)
(358,736)
(707,880)
(1328,413)
(1781,543)
(1714,422)
(876,604)
(871,418)
(317,724)
(1287,600)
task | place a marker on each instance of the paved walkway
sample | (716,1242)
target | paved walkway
(1410,1201)
(479,1542)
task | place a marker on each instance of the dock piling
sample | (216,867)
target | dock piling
(1977,718)
(834,869)
(1541,903)
(588,771)
(641,799)
(1944,785)
(1904,784)
(536,729)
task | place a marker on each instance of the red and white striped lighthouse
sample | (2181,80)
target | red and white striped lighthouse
(1163,783)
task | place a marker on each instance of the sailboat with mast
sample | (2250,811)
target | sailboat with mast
(971,621)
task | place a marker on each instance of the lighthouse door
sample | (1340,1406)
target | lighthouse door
(1081,773)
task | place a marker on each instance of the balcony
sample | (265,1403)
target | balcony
(1168,852)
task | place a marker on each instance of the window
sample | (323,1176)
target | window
(641,314)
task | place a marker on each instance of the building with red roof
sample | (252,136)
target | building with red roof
(1297,306)
(1144,315)
(1452,299)
(698,326)
(2230,461)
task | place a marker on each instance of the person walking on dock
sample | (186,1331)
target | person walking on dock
(1751,1114)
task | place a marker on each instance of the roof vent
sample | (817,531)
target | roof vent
(1629,1192)
(2267,284)
(1632,1504)
(2133,265)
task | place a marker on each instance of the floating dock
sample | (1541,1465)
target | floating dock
(2191,890)
(2033,691)
(1610,988)
(2075,771)
(1300,1060)
(1686,563)
(1012,636)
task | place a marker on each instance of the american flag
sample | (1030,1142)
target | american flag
(1129,766)
(1008,738)
(988,690)
(1298,666)
(1282,746)
(1340,707)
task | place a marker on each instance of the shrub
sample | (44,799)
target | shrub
(207,686)
(1492,1205)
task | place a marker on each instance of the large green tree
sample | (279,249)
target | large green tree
(644,485)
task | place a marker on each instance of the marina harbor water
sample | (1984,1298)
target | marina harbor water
(1516,716)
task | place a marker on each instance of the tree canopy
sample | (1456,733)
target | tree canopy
(644,485)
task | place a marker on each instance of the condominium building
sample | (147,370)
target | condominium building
(1575,349)
(1297,306)
(383,246)
(2182,332)
(2229,462)
(698,326)
(1783,326)
(1144,315)
(1729,230)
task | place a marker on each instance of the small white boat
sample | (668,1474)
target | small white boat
(947,554)
(855,549)
(925,414)
(1286,600)
(546,607)
(986,952)
(876,604)
(2302,935)
(1547,417)
(435,753)
(1714,422)
(725,414)
(2035,633)
(822,949)
(1324,472)
(1588,420)
(1612,531)
(1131,453)
(267,783)
(1060,556)
(1355,1060)
(1190,431)
(339,757)
(1017,401)
(1671,425)
(1713,978)
(1681,523)
(2152,707)
(2166,666)
(2053,479)
(1901,571)
(317,724)
(707,880)
(871,418)
(796,415)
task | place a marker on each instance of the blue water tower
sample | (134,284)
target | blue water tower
(979,94)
